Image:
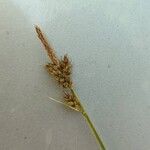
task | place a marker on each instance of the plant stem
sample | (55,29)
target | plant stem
(102,147)
(99,140)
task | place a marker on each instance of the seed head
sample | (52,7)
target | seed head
(61,69)
(72,101)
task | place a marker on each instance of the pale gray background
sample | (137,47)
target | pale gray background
(109,44)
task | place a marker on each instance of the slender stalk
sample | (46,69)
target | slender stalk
(102,147)
(99,140)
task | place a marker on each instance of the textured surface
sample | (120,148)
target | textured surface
(108,42)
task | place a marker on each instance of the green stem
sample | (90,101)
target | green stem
(99,140)
(102,147)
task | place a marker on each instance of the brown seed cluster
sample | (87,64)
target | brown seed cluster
(59,68)
(72,101)
(61,72)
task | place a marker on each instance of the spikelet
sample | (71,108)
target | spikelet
(72,101)
(61,69)
(48,48)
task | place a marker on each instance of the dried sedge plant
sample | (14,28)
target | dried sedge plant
(61,70)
